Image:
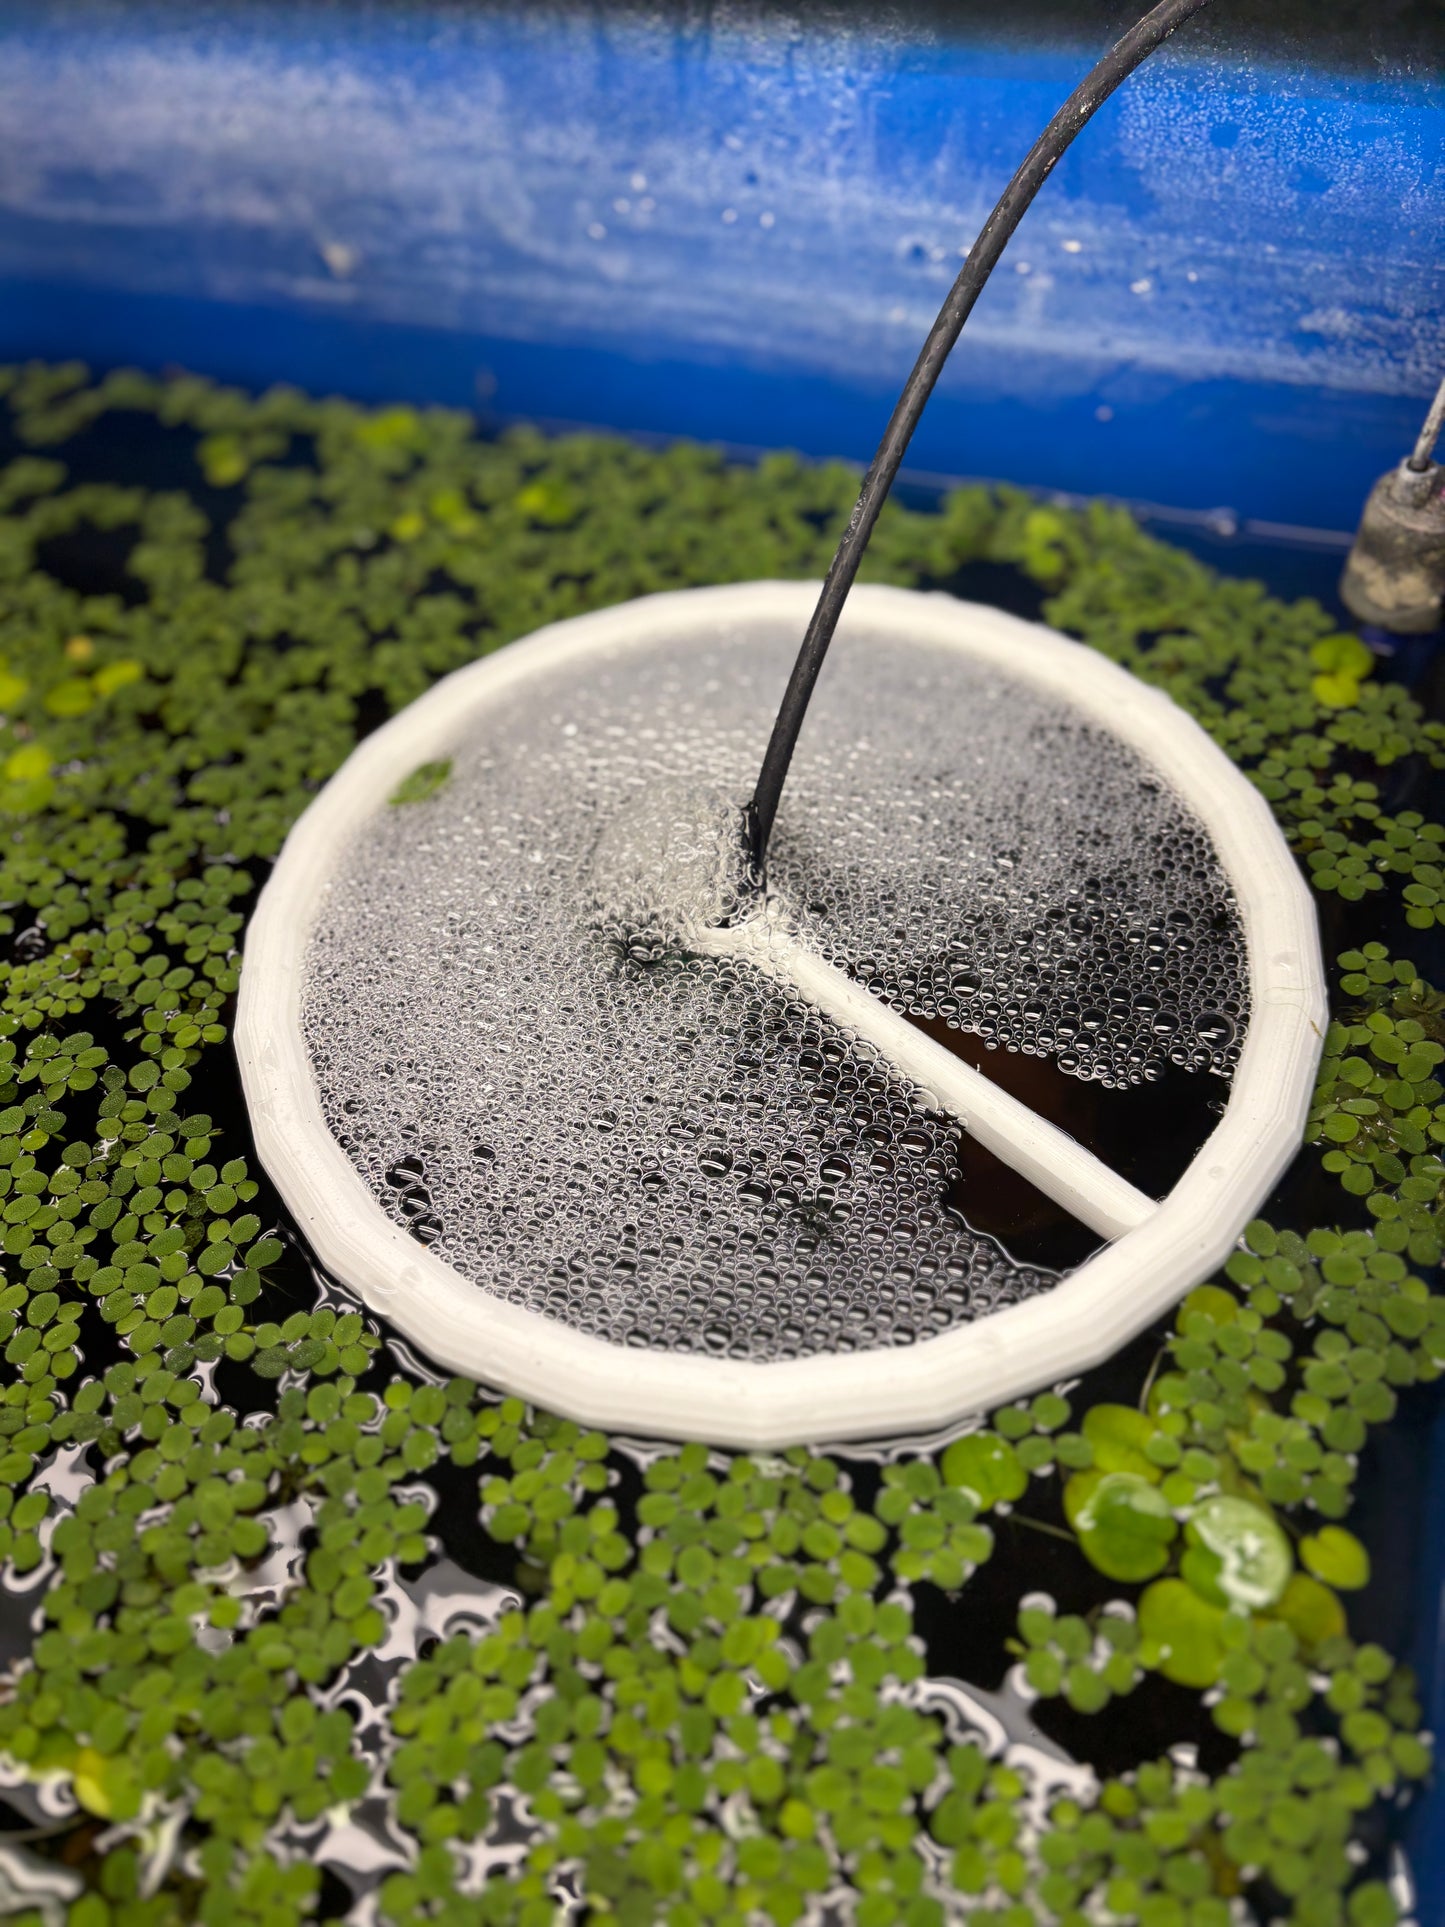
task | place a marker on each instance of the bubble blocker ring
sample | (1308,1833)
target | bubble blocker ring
(1158,1250)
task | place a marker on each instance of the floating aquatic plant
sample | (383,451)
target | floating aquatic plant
(693,1686)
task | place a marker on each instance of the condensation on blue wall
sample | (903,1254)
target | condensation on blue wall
(1228,294)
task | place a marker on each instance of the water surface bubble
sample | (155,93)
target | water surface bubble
(536,1075)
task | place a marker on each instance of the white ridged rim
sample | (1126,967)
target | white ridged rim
(1086,1317)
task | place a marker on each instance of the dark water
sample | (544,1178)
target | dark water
(1149,1133)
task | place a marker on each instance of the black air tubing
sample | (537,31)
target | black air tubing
(1090,94)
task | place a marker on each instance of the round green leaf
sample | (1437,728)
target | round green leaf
(987,1466)
(1336,1557)
(1184,1631)
(1254,1556)
(1310,1610)
(1119,1434)
(1124,1523)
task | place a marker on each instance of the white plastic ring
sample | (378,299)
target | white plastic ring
(1164,1250)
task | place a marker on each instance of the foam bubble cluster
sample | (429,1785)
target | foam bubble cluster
(534,1073)
(671,864)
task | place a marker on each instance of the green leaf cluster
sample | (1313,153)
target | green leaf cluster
(706,1693)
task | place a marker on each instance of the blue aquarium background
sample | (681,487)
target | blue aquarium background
(736,222)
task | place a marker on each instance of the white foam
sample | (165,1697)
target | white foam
(525,1065)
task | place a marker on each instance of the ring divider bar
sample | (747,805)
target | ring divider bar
(1051,1160)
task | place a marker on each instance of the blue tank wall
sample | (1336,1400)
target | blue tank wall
(1228,295)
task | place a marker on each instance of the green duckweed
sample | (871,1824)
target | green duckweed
(701,1691)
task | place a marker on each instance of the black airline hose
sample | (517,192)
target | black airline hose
(1091,93)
